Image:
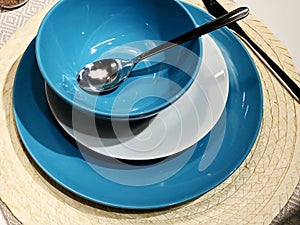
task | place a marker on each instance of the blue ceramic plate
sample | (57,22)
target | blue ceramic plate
(144,184)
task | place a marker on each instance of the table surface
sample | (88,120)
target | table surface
(276,16)
(282,18)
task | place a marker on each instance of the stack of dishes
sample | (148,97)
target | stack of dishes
(176,128)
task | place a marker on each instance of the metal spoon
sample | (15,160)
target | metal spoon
(107,74)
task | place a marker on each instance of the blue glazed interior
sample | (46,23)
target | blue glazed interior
(76,32)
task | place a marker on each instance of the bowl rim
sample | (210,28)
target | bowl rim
(109,115)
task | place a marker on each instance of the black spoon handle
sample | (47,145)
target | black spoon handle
(217,23)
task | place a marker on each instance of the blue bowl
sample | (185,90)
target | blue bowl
(76,32)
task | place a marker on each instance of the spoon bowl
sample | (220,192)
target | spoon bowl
(104,75)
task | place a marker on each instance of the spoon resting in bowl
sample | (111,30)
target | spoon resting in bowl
(107,74)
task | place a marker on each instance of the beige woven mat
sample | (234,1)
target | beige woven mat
(254,194)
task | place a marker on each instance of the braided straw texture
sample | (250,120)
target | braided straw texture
(254,194)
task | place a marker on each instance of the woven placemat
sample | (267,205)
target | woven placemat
(254,194)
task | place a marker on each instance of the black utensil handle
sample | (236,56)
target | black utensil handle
(281,76)
(219,22)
